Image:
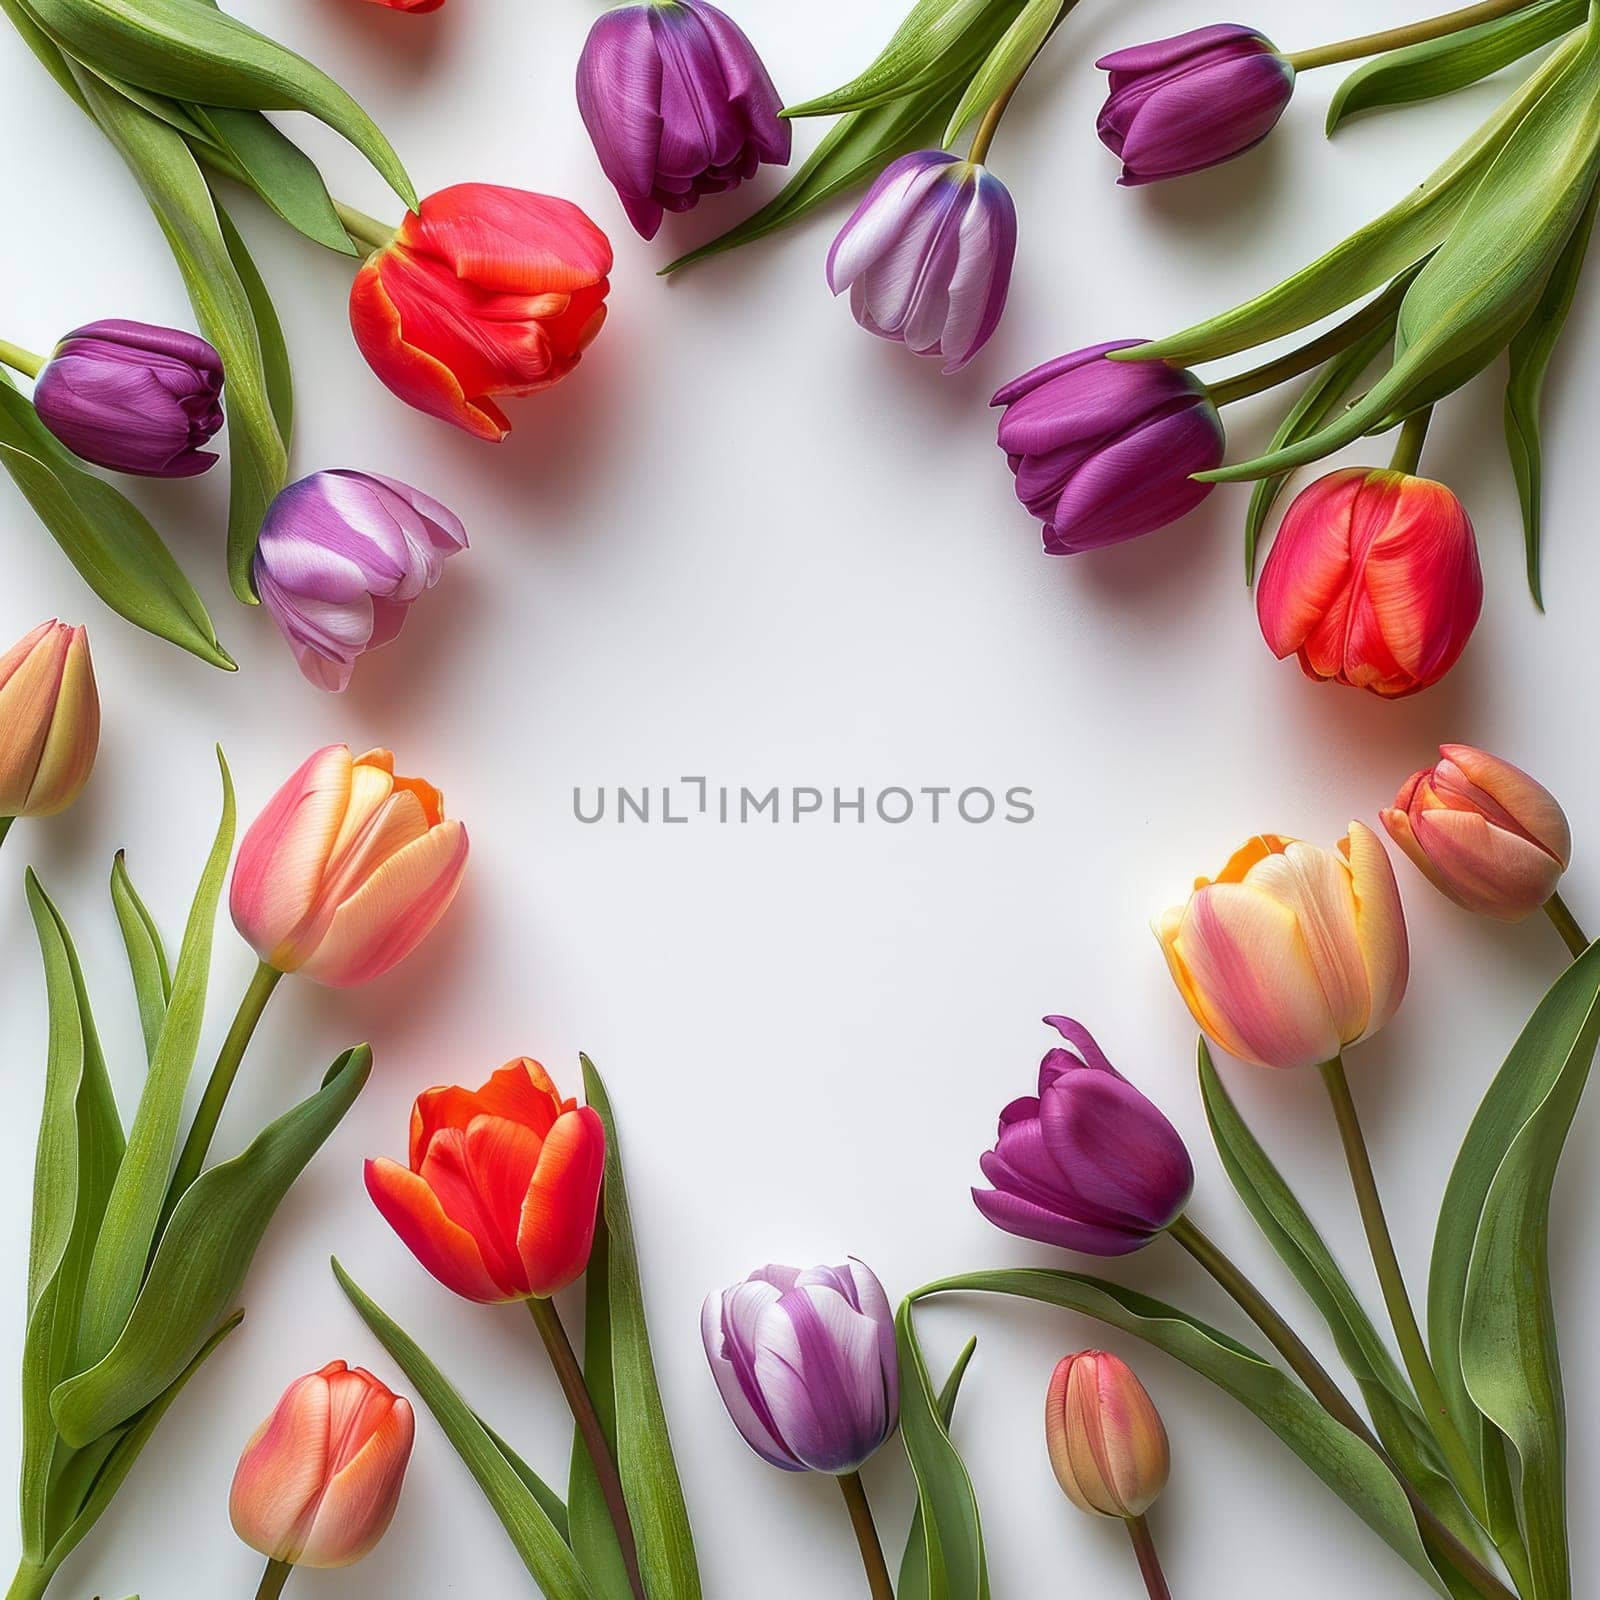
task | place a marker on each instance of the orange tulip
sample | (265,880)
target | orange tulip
(318,1482)
(1293,951)
(1106,1440)
(347,869)
(49,721)
(499,1200)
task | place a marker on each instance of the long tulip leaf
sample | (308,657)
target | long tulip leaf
(914,1582)
(147,955)
(550,1502)
(269,331)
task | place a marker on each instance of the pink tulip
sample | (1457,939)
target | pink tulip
(49,721)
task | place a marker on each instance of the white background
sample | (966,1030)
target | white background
(748,541)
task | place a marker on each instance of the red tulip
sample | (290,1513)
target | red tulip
(482,291)
(410,5)
(499,1201)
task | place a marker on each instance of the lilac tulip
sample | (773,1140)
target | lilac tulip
(133,397)
(927,255)
(678,105)
(341,556)
(1104,450)
(806,1364)
(1181,104)
(1089,1163)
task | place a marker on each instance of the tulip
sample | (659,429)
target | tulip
(927,255)
(49,722)
(318,1482)
(678,105)
(1373,581)
(1293,951)
(347,868)
(341,556)
(1105,450)
(133,397)
(410,5)
(1181,104)
(805,1362)
(1482,832)
(481,291)
(1089,1163)
(1106,1442)
(498,1202)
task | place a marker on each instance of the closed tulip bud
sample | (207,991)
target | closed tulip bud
(482,291)
(805,1362)
(927,256)
(1089,1163)
(1373,581)
(410,5)
(1181,104)
(347,869)
(341,556)
(133,397)
(49,721)
(499,1199)
(678,105)
(1106,450)
(1106,1440)
(1482,832)
(318,1482)
(1293,951)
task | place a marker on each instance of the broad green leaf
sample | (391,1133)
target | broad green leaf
(1348,1466)
(1530,353)
(269,331)
(649,1474)
(1441,66)
(128,1230)
(536,1539)
(1009,59)
(45,49)
(202,1260)
(147,955)
(913,1583)
(104,535)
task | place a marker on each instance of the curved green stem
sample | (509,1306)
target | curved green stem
(984,137)
(1144,1547)
(854,1491)
(23,361)
(273,1580)
(1373,44)
(1407,455)
(1577,941)
(362,228)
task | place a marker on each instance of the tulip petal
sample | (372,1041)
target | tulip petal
(727,1328)
(1532,808)
(1380,923)
(1015,1214)
(359,1502)
(447,1250)
(520,1091)
(281,1472)
(556,1230)
(1474,862)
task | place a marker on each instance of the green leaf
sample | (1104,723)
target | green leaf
(147,955)
(1348,1466)
(1531,351)
(201,1262)
(1441,66)
(128,1230)
(269,331)
(649,1474)
(913,1582)
(534,1536)
(548,1499)
(105,536)
(1009,59)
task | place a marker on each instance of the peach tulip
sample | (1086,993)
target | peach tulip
(318,1482)
(49,721)
(1106,1440)
(347,868)
(1293,951)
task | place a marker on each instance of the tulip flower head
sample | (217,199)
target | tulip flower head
(341,556)
(409,5)
(1104,451)
(1292,952)
(49,721)
(133,397)
(678,105)
(482,291)
(1373,581)
(318,1482)
(1482,832)
(347,869)
(927,256)
(805,1362)
(1088,1163)
(1106,1440)
(499,1199)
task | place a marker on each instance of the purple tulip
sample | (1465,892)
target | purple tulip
(1103,450)
(133,397)
(341,556)
(1192,101)
(678,105)
(927,255)
(806,1364)
(1089,1164)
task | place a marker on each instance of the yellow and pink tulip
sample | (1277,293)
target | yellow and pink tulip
(49,722)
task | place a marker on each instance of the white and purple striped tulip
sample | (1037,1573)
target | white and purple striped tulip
(927,255)
(805,1362)
(342,555)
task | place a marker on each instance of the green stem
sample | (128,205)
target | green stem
(984,137)
(1407,455)
(273,1580)
(581,1403)
(1144,1547)
(1555,908)
(192,1159)
(866,1530)
(1372,44)
(362,228)
(30,1582)
(23,361)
